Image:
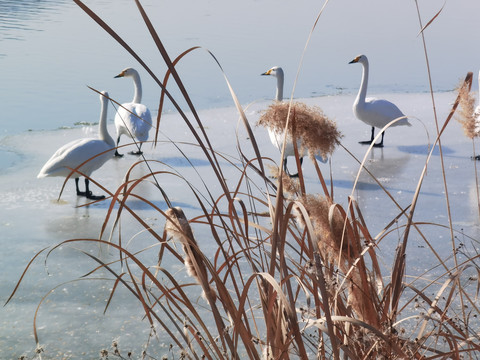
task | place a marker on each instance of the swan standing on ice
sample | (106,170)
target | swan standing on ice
(76,152)
(133,126)
(476,113)
(374,112)
(277,137)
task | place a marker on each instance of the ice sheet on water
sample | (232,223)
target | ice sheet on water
(32,219)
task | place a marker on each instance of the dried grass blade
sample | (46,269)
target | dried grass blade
(110,297)
(431,20)
(478,284)
(114,35)
(165,81)
(213,159)
(23,275)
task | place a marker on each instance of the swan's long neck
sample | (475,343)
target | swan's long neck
(102,125)
(279,94)
(362,92)
(137,84)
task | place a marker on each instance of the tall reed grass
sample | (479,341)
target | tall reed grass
(293,274)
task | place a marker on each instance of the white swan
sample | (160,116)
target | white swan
(476,113)
(277,137)
(374,112)
(133,126)
(76,152)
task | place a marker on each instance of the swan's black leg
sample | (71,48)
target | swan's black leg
(79,193)
(116,150)
(368,142)
(380,144)
(286,170)
(139,152)
(89,194)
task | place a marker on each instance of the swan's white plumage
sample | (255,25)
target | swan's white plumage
(476,113)
(138,125)
(76,152)
(277,137)
(374,112)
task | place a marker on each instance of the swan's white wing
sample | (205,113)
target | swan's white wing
(379,112)
(75,153)
(127,124)
(277,137)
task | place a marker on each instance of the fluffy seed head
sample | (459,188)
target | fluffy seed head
(315,130)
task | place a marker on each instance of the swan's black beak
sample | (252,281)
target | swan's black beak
(267,72)
(355,60)
(122,74)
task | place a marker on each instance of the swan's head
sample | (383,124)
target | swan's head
(274,71)
(362,59)
(104,96)
(128,72)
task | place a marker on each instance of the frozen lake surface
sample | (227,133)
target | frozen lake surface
(72,319)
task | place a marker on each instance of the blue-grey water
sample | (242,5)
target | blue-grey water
(51,50)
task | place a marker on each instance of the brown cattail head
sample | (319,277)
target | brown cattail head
(312,127)
(178,227)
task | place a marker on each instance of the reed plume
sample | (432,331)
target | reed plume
(316,132)
(466,114)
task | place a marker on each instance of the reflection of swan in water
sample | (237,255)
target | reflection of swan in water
(374,112)
(385,169)
(127,124)
(76,152)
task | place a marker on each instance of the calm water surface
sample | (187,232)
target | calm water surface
(50,51)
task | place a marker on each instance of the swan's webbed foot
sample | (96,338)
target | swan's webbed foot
(139,152)
(366,142)
(477,157)
(117,154)
(90,196)
(87,193)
